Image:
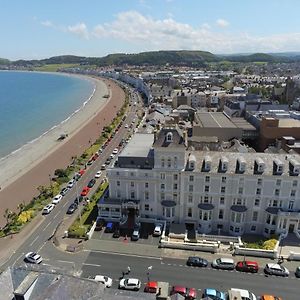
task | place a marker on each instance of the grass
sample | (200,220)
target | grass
(54,67)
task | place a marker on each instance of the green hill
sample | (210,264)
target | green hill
(4,61)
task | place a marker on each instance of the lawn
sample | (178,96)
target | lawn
(54,67)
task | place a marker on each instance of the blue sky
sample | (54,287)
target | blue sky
(35,29)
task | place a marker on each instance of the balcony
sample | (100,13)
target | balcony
(289,213)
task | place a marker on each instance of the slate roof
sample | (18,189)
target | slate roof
(178,140)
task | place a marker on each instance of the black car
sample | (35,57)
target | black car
(64,191)
(78,200)
(116,233)
(72,208)
(91,183)
(99,224)
(197,261)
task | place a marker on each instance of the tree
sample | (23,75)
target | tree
(8,215)
(60,173)
(21,207)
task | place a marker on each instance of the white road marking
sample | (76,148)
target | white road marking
(42,246)
(33,241)
(65,204)
(46,226)
(66,261)
(56,215)
(125,254)
(93,265)
(18,258)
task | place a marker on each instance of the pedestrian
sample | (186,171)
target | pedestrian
(128,270)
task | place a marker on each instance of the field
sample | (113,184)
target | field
(54,67)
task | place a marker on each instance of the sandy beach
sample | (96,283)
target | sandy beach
(24,170)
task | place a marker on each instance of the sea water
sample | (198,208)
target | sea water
(31,103)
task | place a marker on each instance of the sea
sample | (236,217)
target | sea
(32,103)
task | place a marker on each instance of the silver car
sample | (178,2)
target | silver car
(223,263)
(276,269)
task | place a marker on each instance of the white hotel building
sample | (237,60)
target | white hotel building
(157,177)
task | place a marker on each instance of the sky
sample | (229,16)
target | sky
(35,29)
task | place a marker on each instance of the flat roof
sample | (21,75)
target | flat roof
(285,123)
(138,146)
(243,124)
(213,120)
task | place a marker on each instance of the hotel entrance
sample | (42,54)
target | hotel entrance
(291,228)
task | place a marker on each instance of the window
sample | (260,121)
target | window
(190,198)
(162,196)
(241,181)
(117,173)
(146,185)
(278,181)
(259,181)
(268,221)
(132,174)
(175,186)
(291,204)
(293,193)
(132,184)
(169,162)
(275,203)
(276,192)
(256,202)
(162,176)
(191,178)
(238,218)
(231,228)
(175,197)
(162,162)
(175,162)
(207,179)
(255,216)
(221,214)
(206,188)
(146,174)
(239,201)
(191,188)
(241,190)
(205,199)
(146,207)
(222,200)
(266,230)
(190,212)
(223,179)
(253,228)
(118,183)
(258,191)
(118,194)
(237,229)
(146,195)
(223,189)
(175,177)
(162,186)
(132,195)
(295,182)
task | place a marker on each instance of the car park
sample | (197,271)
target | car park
(107,281)
(297,272)
(72,208)
(33,257)
(247,266)
(64,191)
(57,199)
(132,284)
(187,293)
(214,294)
(85,191)
(98,174)
(223,263)
(71,183)
(158,229)
(244,294)
(270,297)
(276,269)
(197,261)
(91,183)
(151,287)
(47,209)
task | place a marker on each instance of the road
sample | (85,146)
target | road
(41,237)
(175,271)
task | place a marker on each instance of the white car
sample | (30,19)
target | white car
(126,125)
(158,229)
(244,294)
(107,281)
(57,199)
(98,174)
(276,269)
(71,183)
(33,258)
(47,209)
(115,151)
(132,284)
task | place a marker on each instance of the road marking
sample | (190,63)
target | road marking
(125,254)
(46,226)
(93,265)
(33,241)
(42,246)
(56,215)
(66,261)
(18,258)
(65,204)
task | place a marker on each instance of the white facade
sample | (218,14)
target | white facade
(237,193)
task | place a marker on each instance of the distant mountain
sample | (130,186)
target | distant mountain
(4,61)
(255,57)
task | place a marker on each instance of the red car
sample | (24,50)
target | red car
(81,172)
(247,266)
(187,293)
(85,191)
(151,287)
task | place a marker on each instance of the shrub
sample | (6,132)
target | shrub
(269,244)
(25,216)
(60,173)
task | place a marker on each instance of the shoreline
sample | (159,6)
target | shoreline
(26,170)
(48,139)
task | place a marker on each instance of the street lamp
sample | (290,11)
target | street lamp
(148,273)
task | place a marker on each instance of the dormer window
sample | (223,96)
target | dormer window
(294,167)
(223,164)
(169,137)
(241,165)
(259,166)
(192,162)
(277,167)
(207,164)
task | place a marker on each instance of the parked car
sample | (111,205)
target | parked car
(90,162)
(76,176)
(107,281)
(116,233)
(71,183)
(151,287)
(64,191)
(47,209)
(85,191)
(214,294)
(297,272)
(107,162)
(135,235)
(103,167)
(126,126)
(188,293)
(130,284)
(115,151)
(109,227)
(99,224)
(244,294)
(276,269)
(57,199)
(72,208)
(33,257)
(270,297)
(158,229)
(98,174)
(91,183)
(223,263)
(247,266)
(197,261)
(78,199)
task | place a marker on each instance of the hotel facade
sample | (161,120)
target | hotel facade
(158,177)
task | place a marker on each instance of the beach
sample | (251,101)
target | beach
(29,167)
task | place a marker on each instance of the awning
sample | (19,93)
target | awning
(239,208)
(272,210)
(168,203)
(206,206)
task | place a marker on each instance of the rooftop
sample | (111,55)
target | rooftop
(288,123)
(138,146)
(213,120)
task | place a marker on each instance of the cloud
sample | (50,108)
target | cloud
(222,23)
(47,23)
(79,29)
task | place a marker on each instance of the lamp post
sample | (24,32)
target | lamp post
(148,273)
